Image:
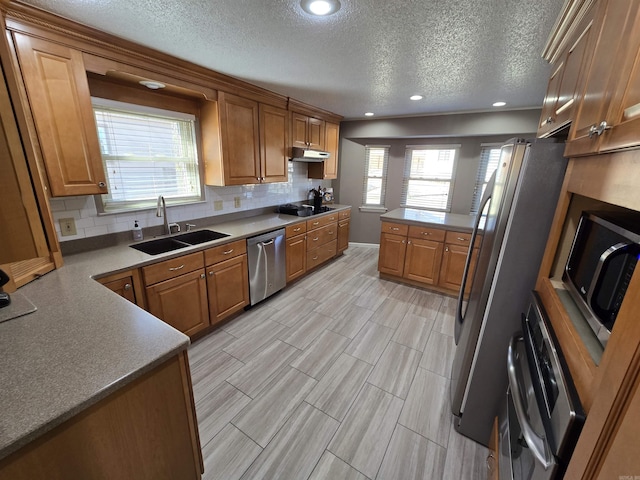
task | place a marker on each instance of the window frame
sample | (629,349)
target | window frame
(383,178)
(406,178)
(481,175)
(104,206)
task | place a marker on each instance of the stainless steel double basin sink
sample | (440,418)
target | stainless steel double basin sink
(168,244)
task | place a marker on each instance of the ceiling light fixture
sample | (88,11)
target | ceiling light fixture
(415,97)
(152,84)
(499,104)
(368,114)
(320,7)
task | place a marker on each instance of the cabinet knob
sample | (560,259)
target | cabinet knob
(550,120)
(446,249)
(127,286)
(593,130)
(211,273)
(603,127)
(202,275)
(102,184)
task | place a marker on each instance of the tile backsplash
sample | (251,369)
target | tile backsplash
(89,224)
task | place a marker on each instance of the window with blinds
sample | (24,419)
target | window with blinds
(489,158)
(146,152)
(375,175)
(428,176)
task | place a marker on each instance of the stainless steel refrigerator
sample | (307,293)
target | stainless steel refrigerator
(513,223)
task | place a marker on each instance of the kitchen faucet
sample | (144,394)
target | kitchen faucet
(161,211)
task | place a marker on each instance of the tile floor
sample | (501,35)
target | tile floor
(340,376)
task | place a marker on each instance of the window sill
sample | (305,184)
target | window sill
(373,209)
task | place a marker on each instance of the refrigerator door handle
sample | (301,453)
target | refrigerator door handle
(486,197)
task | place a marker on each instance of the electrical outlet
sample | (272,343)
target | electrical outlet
(236,202)
(217,205)
(67,226)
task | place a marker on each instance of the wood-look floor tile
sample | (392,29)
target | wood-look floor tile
(264,416)
(438,355)
(307,330)
(320,355)
(207,376)
(285,297)
(426,304)
(473,455)
(337,389)
(395,370)
(375,294)
(248,321)
(205,348)
(334,303)
(445,320)
(257,373)
(251,344)
(412,457)
(331,467)
(229,455)
(217,408)
(350,319)
(404,293)
(370,342)
(296,448)
(390,313)
(295,311)
(413,331)
(426,409)
(364,434)
(356,285)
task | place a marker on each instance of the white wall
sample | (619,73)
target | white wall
(90,224)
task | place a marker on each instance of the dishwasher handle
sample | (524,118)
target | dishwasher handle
(268,242)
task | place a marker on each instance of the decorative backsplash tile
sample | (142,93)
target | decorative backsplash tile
(89,224)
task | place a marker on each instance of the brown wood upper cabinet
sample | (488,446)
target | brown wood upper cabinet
(244,141)
(58,94)
(329,168)
(609,102)
(559,104)
(307,132)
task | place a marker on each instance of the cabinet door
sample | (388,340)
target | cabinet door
(391,256)
(422,261)
(328,169)
(274,139)
(181,302)
(296,256)
(299,129)
(58,92)
(228,287)
(240,139)
(123,287)
(343,235)
(601,76)
(453,262)
(547,117)
(315,133)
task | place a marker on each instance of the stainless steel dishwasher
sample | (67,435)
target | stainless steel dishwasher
(267,264)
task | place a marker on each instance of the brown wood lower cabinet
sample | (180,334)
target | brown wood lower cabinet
(454,258)
(227,287)
(145,430)
(343,235)
(126,284)
(296,256)
(422,261)
(493,471)
(392,253)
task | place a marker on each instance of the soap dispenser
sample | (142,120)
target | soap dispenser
(137,231)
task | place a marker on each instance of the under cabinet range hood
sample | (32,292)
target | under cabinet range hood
(304,155)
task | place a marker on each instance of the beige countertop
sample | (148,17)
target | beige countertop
(414,216)
(84,341)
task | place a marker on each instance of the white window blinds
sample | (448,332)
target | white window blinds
(146,152)
(375,175)
(428,176)
(489,158)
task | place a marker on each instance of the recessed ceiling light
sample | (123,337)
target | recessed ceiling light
(320,7)
(415,97)
(368,114)
(151,84)
(499,104)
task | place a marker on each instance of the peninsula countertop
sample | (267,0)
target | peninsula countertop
(414,216)
(84,341)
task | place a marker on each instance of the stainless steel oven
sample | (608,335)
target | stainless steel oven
(542,416)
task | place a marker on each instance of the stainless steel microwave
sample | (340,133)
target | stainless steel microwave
(601,262)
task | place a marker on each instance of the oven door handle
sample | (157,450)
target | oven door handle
(535,442)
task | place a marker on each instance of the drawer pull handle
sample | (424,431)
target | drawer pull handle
(316,223)
(127,286)
(427,233)
(315,258)
(315,239)
(173,269)
(330,233)
(395,229)
(296,229)
(463,239)
(228,252)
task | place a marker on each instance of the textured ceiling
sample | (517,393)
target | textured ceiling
(461,55)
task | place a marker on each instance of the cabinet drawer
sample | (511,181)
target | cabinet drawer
(459,238)
(320,236)
(342,214)
(319,255)
(296,229)
(395,228)
(428,233)
(172,268)
(318,222)
(224,252)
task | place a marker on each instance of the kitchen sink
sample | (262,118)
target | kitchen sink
(201,236)
(164,245)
